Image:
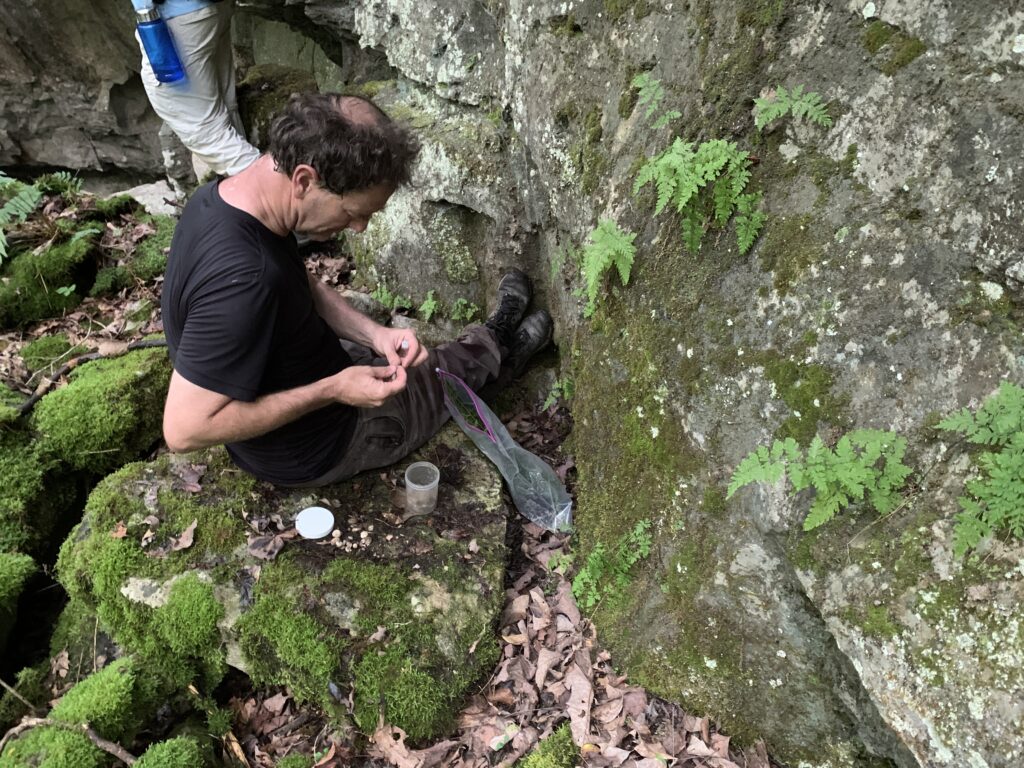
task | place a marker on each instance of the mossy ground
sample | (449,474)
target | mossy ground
(147,261)
(29,292)
(46,351)
(556,751)
(891,48)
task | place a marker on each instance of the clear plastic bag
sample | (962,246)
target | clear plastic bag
(535,488)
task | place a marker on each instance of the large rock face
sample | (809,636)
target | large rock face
(70,93)
(885,290)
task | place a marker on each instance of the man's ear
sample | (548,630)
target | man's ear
(304,180)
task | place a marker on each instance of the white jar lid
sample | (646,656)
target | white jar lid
(314,522)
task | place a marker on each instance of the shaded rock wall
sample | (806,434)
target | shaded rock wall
(70,94)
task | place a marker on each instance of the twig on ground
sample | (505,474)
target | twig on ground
(28,723)
(10,689)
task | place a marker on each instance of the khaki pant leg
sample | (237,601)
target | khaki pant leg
(199,108)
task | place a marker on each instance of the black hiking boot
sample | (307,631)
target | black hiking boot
(514,294)
(533,334)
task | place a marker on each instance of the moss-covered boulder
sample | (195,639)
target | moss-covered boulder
(399,613)
(50,351)
(15,570)
(35,286)
(108,413)
(146,261)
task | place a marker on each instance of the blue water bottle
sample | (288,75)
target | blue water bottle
(156,39)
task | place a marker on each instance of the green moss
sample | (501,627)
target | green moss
(295,761)
(109,412)
(147,262)
(877,621)
(53,748)
(565,26)
(15,571)
(807,389)
(28,290)
(112,207)
(287,647)
(593,162)
(47,350)
(556,751)
(761,14)
(897,47)
(30,683)
(265,89)
(187,627)
(105,700)
(33,495)
(369,89)
(616,9)
(788,247)
(178,752)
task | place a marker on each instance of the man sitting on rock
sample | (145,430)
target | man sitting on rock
(254,338)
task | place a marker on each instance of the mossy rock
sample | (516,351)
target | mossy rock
(265,89)
(34,495)
(311,617)
(179,752)
(109,412)
(15,571)
(47,351)
(53,748)
(29,288)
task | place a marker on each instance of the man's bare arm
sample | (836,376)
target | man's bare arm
(195,417)
(399,345)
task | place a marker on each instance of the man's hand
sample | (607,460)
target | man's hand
(367,386)
(399,346)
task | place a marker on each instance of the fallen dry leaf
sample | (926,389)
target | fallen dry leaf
(185,540)
(120,530)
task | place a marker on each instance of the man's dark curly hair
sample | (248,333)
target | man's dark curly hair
(348,140)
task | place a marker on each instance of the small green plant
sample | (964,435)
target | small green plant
(606,572)
(795,102)
(390,300)
(429,306)
(995,499)
(18,208)
(66,290)
(561,562)
(464,311)
(865,464)
(608,246)
(681,172)
(650,96)
(563,389)
(60,183)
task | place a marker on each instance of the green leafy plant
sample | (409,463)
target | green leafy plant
(60,183)
(866,464)
(650,96)
(683,171)
(607,571)
(429,306)
(464,311)
(66,290)
(563,389)
(390,300)
(995,499)
(18,208)
(796,102)
(609,246)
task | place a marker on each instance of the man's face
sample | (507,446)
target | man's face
(323,214)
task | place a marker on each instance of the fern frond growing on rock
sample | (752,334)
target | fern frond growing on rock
(995,498)
(866,465)
(609,246)
(796,102)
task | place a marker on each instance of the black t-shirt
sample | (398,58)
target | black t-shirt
(240,321)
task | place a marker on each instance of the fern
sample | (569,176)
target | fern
(995,499)
(429,306)
(609,246)
(682,172)
(866,465)
(651,93)
(607,572)
(797,103)
(15,211)
(60,183)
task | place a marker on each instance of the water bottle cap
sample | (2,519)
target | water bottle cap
(144,15)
